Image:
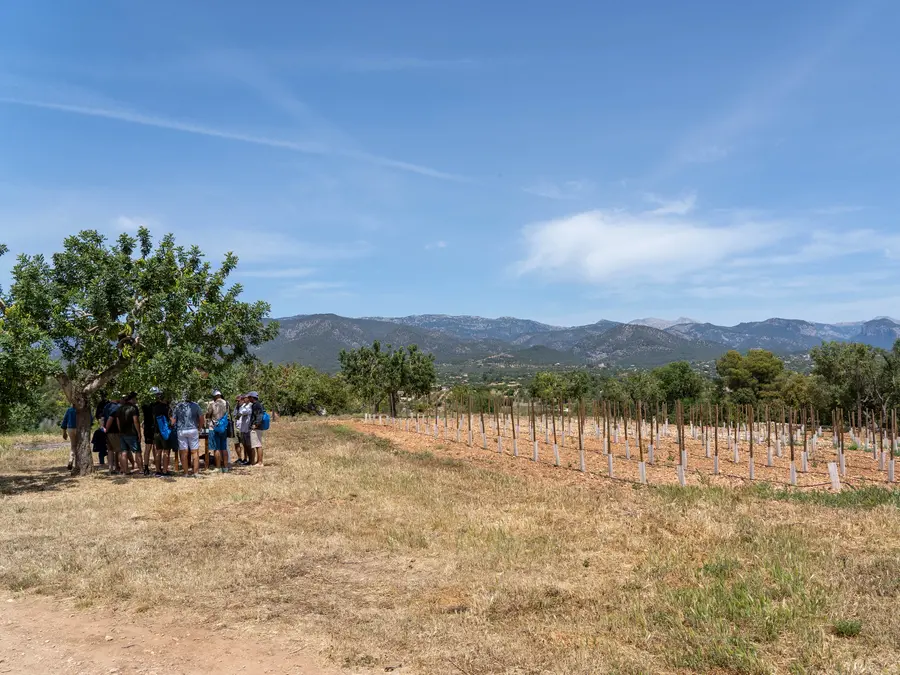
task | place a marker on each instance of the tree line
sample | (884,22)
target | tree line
(849,376)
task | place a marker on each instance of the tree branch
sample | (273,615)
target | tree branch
(105,376)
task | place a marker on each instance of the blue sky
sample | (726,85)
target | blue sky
(560,161)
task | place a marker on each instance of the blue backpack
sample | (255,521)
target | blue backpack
(162,425)
(222,425)
(265,422)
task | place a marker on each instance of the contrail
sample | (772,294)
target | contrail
(309,148)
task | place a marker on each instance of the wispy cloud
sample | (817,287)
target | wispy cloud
(308,147)
(672,207)
(837,210)
(760,102)
(131,223)
(435,245)
(282,273)
(318,289)
(375,64)
(308,286)
(564,190)
(277,246)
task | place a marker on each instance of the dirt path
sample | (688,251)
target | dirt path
(43,636)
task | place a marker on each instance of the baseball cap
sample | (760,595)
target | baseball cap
(155,391)
(217,393)
(253,394)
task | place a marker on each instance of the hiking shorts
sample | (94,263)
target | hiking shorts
(113,444)
(218,441)
(129,444)
(189,439)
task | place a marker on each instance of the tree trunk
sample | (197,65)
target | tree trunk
(84,463)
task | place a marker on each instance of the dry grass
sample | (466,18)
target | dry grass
(380,556)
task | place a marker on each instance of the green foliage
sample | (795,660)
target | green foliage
(853,374)
(375,374)
(23,362)
(643,386)
(752,378)
(546,387)
(43,406)
(130,310)
(291,389)
(847,627)
(678,381)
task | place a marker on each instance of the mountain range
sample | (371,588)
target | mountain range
(317,339)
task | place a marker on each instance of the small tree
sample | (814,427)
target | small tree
(375,373)
(420,374)
(106,308)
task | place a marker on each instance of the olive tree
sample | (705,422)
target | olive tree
(102,310)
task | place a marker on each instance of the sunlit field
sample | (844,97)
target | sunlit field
(449,559)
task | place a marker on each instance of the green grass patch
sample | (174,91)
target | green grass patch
(847,628)
(862,498)
(755,588)
(343,431)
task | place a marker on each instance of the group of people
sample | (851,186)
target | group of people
(166,428)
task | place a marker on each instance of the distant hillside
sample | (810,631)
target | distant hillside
(637,345)
(785,336)
(879,333)
(317,339)
(563,339)
(474,327)
(661,324)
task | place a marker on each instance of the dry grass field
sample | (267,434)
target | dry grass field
(453,560)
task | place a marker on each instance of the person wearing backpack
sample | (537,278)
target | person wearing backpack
(163,436)
(259,422)
(217,419)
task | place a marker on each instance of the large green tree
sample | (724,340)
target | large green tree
(98,309)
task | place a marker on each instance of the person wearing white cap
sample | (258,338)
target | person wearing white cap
(246,411)
(216,417)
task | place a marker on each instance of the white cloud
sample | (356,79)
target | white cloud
(618,246)
(435,245)
(824,245)
(570,189)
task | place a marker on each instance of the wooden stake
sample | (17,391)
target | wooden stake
(640,444)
